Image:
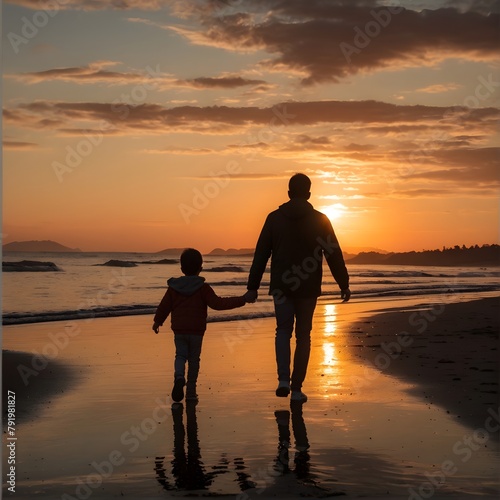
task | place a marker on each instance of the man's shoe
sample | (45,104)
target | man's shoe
(178,390)
(298,396)
(283,389)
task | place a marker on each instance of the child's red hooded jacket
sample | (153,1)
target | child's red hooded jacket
(188,299)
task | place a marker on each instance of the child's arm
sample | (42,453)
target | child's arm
(222,303)
(162,311)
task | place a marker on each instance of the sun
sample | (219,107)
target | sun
(334,212)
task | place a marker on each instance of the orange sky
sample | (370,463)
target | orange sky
(159,125)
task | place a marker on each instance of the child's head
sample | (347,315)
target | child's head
(191,262)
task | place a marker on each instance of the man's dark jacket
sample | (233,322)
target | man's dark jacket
(296,236)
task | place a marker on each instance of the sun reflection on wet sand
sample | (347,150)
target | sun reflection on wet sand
(330,380)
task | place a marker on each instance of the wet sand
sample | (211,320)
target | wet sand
(450,351)
(102,424)
(46,380)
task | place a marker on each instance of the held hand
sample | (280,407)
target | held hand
(251,296)
(345,294)
(156,327)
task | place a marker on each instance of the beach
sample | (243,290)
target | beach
(403,403)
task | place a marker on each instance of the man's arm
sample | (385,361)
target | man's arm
(335,260)
(262,253)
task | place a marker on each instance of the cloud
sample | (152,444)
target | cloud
(316,141)
(19,145)
(483,6)
(400,180)
(342,197)
(399,129)
(223,82)
(360,147)
(343,143)
(328,41)
(91,4)
(91,73)
(349,140)
(89,132)
(96,73)
(452,156)
(154,118)
(461,172)
(182,151)
(439,88)
(466,164)
(255,176)
(248,147)
(148,22)
(325,41)
(452,191)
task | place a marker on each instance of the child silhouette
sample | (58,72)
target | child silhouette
(187,299)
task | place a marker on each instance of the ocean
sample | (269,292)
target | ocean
(85,288)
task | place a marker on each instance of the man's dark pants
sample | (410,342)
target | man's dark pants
(289,310)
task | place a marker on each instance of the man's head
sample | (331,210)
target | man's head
(191,262)
(299,186)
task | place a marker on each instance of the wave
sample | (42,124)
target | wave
(478,274)
(111,312)
(263,285)
(399,274)
(134,263)
(225,269)
(484,273)
(17,318)
(424,291)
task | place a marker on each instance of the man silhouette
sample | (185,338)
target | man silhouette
(296,236)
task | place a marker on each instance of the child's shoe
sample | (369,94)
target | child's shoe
(178,390)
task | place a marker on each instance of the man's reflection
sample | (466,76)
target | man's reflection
(302,458)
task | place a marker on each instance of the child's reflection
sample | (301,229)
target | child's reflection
(188,470)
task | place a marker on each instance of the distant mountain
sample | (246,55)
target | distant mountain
(347,256)
(37,246)
(232,251)
(486,255)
